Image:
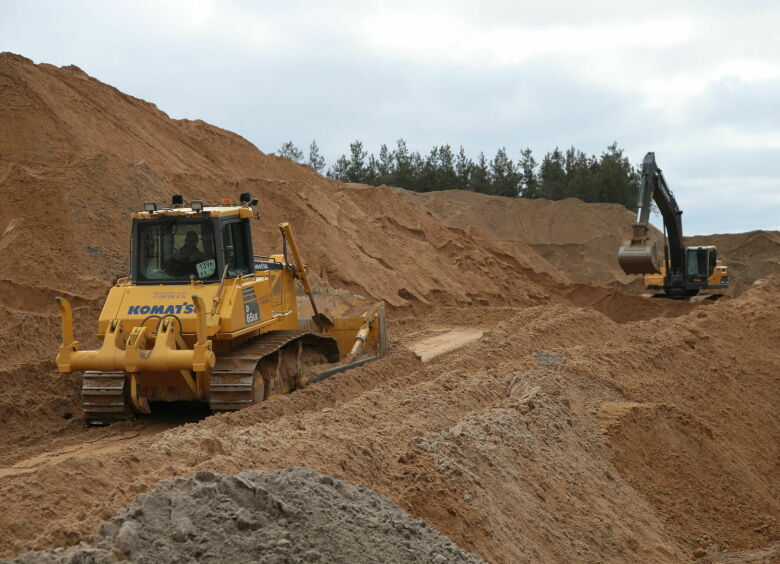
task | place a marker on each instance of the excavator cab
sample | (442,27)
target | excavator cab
(700,263)
(703,270)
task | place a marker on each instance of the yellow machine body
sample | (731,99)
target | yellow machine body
(718,279)
(174,341)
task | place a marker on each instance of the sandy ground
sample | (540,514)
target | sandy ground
(555,418)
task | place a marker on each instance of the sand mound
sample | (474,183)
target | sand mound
(499,445)
(582,240)
(292,515)
(583,425)
(579,239)
(87,155)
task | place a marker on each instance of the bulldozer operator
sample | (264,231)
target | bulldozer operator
(189,252)
(187,257)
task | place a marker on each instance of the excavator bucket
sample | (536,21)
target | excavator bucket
(639,259)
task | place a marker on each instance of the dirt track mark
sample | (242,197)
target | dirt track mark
(101,445)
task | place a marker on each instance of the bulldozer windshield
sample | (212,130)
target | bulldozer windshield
(175,250)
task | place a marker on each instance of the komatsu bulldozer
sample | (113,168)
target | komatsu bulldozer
(685,271)
(201,318)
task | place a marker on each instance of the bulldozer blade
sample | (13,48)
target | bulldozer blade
(639,259)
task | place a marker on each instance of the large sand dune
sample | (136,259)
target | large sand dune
(583,425)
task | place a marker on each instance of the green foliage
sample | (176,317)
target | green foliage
(609,177)
(290,151)
(316,161)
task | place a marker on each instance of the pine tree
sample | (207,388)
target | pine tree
(463,168)
(316,161)
(290,151)
(357,169)
(553,176)
(446,178)
(480,176)
(530,187)
(404,166)
(428,178)
(385,166)
(504,177)
(340,169)
(617,179)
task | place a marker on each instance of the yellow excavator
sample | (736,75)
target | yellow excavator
(685,271)
(201,318)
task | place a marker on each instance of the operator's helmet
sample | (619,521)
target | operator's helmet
(191,238)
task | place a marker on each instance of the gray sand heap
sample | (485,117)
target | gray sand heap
(284,516)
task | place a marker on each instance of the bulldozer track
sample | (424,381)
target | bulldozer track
(104,397)
(232,378)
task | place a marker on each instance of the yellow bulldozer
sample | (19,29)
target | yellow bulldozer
(201,318)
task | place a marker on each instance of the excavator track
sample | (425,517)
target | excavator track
(234,378)
(104,397)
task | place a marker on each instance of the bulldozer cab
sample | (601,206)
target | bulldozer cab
(176,249)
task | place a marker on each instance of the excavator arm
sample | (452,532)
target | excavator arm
(639,256)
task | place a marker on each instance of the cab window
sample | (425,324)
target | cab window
(175,251)
(234,241)
(697,263)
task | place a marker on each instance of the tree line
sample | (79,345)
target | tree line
(608,177)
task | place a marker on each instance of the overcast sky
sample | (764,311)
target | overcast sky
(696,82)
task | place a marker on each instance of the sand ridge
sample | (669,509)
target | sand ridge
(501,444)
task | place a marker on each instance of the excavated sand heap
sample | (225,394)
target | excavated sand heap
(582,240)
(579,239)
(583,425)
(293,516)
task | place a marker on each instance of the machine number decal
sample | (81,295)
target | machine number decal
(206,268)
(251,312)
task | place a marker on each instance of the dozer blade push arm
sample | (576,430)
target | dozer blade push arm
(302,275)
(68,343)
(130,353)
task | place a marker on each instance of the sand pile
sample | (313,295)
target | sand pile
(77,156)
(293,515)
(579,239)
(582,240)
(511,446)
(584,425)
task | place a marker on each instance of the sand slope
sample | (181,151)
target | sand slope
(583,425)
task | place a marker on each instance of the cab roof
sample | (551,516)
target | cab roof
(208,211)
